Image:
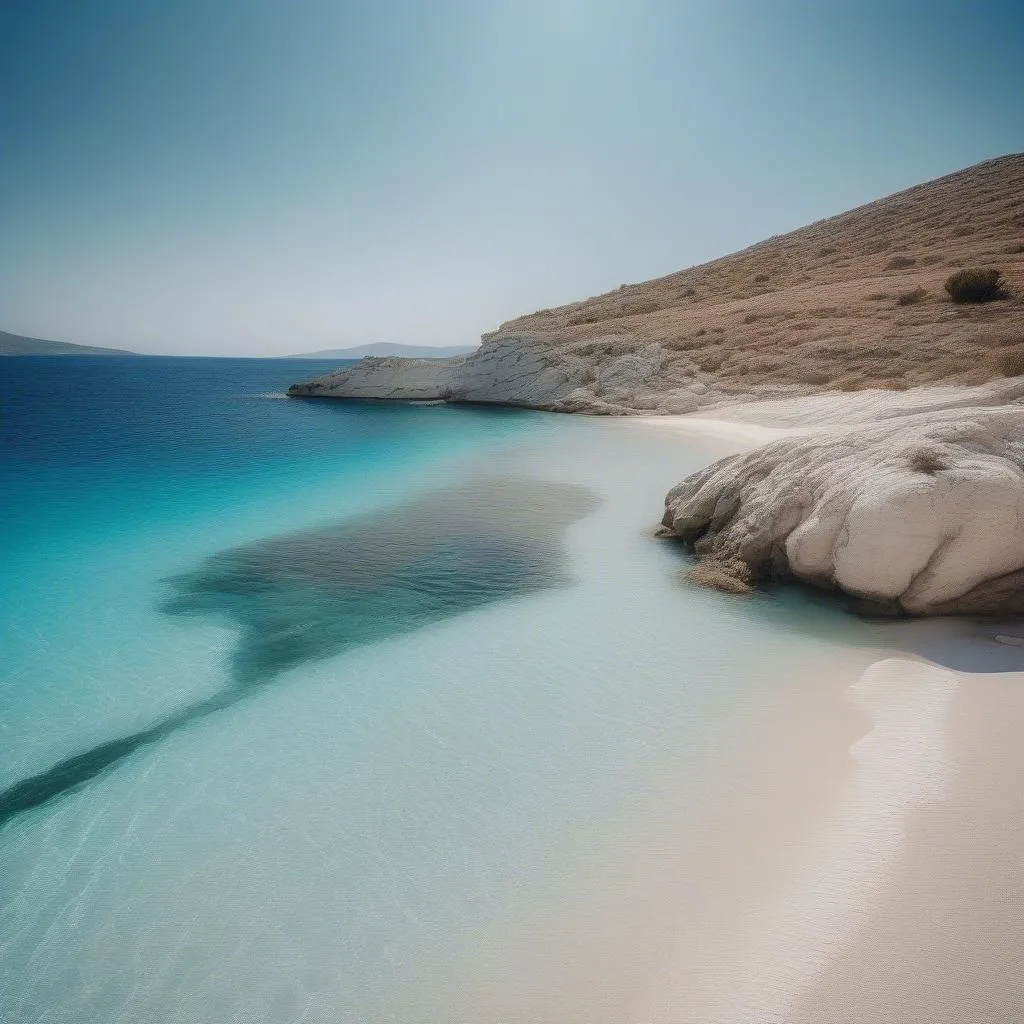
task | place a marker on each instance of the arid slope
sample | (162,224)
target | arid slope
(820,307)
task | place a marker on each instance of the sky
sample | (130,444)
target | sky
(262,177)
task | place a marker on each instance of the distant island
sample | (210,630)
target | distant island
(16,345)
(386,348)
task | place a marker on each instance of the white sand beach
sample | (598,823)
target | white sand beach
(865,865)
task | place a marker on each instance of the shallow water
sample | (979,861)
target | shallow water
(315,711)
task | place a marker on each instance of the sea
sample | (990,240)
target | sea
(320,711)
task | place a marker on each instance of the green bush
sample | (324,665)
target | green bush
(976,284)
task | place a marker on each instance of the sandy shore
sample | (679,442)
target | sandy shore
(868,864)
(737,434)
(749,424)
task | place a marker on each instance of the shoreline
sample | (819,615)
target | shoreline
(845,928)
(629,794)
(695,426)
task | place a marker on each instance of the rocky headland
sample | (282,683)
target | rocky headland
(901,478)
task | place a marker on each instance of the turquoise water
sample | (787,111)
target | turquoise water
(313,711)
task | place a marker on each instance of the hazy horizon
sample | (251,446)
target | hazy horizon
(257,178)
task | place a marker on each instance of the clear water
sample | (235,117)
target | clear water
(323,712)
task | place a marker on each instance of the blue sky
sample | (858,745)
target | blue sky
(269,176)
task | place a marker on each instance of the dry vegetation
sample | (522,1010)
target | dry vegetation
(976,285)
(912,296)
(927,461)
(1010,361)
(856,301)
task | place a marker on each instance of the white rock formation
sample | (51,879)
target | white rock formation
(385,377)
(920,514)
(611,375)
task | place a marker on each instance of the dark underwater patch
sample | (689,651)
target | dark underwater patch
(307,596)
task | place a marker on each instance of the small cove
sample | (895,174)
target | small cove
(481,709)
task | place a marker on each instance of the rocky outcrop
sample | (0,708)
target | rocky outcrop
(610,375)
(922,514)
(385,377)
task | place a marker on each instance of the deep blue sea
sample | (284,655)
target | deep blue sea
(323,711)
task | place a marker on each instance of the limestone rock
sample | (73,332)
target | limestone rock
(385,377)
(921,514)
(610,376)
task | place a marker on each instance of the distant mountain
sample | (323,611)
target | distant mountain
(385,348)
(16,345)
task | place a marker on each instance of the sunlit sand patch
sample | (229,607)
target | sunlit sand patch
(835,878)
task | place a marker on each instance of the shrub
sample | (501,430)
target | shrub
(927,460)
(878,296)
(761,278)
(1011,362)
(1015,248)
(828,250)
(976,284)
(911,297)
(900,263)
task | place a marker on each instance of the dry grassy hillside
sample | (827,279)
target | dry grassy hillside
(855,301)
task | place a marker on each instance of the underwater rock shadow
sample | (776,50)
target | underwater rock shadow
(310,595)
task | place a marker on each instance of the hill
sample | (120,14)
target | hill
(834,304)
(16,345)
(385,348)
(849,303)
